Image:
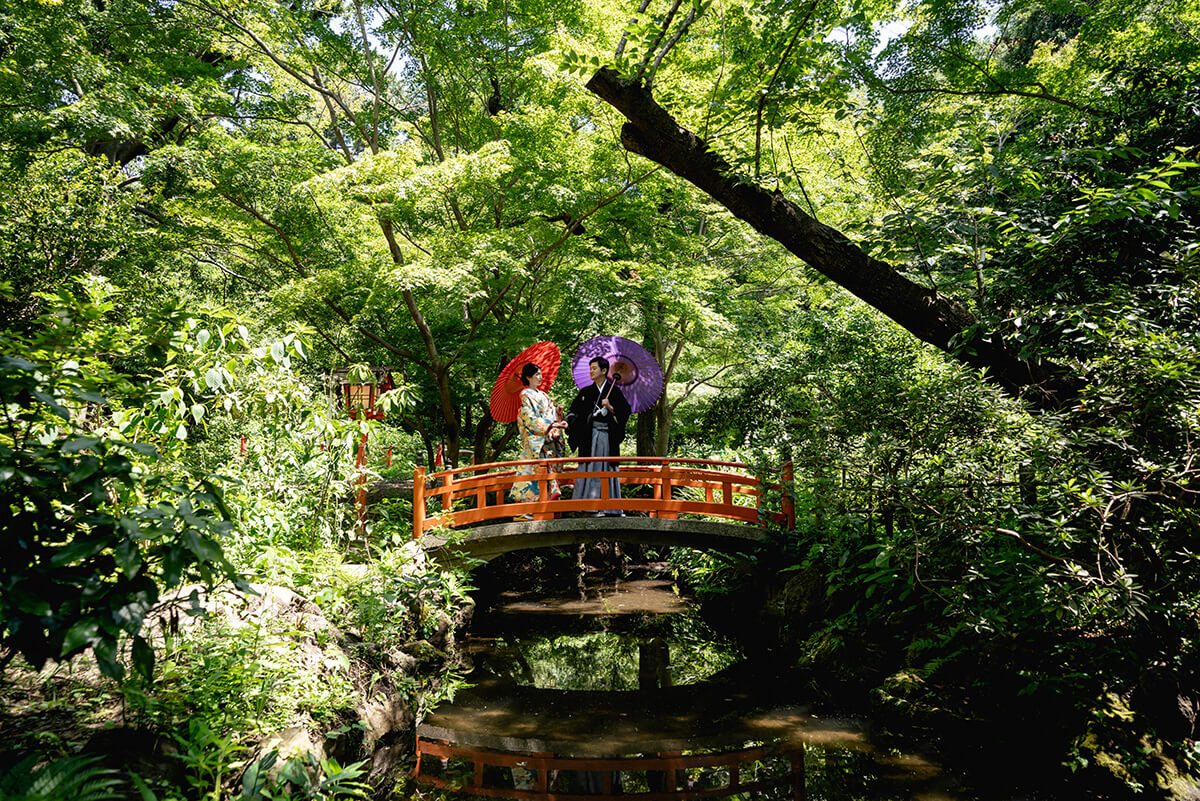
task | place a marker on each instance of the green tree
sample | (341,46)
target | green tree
(466,177)
(91,536)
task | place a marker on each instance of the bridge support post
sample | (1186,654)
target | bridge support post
(418,502)
(799,782)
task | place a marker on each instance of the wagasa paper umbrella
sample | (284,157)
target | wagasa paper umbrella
(631,366)
(506,392)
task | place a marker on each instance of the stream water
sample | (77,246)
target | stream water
(618,688)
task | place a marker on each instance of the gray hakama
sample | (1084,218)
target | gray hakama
(590,487)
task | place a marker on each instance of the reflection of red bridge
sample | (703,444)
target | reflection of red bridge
(661,488)
(660,777)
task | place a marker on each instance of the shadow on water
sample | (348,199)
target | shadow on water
(618,688)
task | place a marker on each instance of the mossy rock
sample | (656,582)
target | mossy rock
(1117,746)
(425,653)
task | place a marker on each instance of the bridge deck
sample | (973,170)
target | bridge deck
(486,542)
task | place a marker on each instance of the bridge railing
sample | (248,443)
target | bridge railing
(737,769)
(663,488)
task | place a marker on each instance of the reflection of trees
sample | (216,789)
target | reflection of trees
(654,664)
(605,660)
(599,661)
(608,652)
(508,661)
(697,652)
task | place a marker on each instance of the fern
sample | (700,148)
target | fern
(73,778)
(18,778)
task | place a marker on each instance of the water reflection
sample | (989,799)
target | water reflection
(718,738)
(655,657)
(579,698)
(755,769)
(599,597)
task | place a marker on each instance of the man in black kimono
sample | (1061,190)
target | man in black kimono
(595,426)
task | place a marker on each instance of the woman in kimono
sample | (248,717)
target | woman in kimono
(541,433)
(597,425)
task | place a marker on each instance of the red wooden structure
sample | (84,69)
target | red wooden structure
(673,769)
(662,488)
(361,400)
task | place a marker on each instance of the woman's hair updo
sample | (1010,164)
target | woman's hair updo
(528,372)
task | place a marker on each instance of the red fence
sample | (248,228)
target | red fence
(660,488)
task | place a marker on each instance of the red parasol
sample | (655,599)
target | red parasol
(506,392)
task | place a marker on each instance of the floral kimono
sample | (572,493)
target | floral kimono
(533,423)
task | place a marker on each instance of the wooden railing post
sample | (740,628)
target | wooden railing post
(664,482)
(448,495)
(788,479)
(480,491)
(418,502)
(657,487)
(542,477)
(541,782)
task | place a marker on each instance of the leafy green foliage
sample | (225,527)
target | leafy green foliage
(63,214)
(213,762)
(310,779)
(89,538)
(80,778)
(256,677)
(79,71)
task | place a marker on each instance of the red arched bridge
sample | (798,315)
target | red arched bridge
(700,503)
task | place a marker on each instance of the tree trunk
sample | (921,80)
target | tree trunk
(929,315)
(451,429)
(645,432)
(663,413)
(483,434)
(663,421)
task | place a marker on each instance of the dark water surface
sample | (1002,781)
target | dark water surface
(618,688)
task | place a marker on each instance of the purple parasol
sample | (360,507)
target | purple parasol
(634,369)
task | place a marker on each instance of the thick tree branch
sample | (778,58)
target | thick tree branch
(624,36)
(927,314)
(333,121)
(434,363)
(369,56)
